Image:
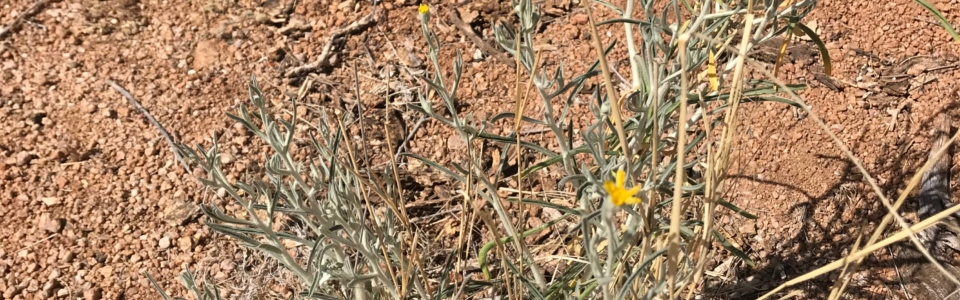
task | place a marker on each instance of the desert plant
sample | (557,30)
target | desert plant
(673,249)
(348,252)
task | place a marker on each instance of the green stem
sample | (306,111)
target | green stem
(482,255)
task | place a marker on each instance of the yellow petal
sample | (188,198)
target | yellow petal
(632,200)
(621,178)
(609,187)
(633,191)
(617,201)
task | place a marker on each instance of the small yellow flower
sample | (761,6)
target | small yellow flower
(424,9)
(619,194)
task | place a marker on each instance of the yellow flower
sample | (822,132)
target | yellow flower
(619,194)
(424,9)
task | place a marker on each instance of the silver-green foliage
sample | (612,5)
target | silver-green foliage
(321,197)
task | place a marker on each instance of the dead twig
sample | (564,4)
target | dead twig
(895,112)
(487,50)
(403,145)
(430,217)
(163,132)
(323,61)
(899,275)
(37,242)
(943,68)
(423,203)
(15,25)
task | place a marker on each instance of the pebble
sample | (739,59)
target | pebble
(61,181)
(88,107)
(93,294)
(54,275)
(185,243)
(165,186)
(50,223)
(226,158)
(579,19)
(33,286)
(11,291)
(49,288)
(50,201)
(164,243)
(477,55)
(24,158)
(68,257)
(106,271)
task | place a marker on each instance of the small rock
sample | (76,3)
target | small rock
(67,257)
(62,293)
(206,54)
(50,287)
(226,158)
(220,276)
(135,258)
(11,291)
(165,186)
(32,267)
(748,228)
(88,107)
(54,275)
(40,78)
(571,32)
(579,19)
(33,286)
(180,213)
(61,181)
(50,224)
(106,271)
(24,158)
(185,243)
(93,294)
(50,201)
(164,243)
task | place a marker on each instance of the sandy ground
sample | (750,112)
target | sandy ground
(91,197)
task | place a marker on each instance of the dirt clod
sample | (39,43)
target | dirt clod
(50,224)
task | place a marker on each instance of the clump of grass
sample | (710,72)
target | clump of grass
(646,232)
